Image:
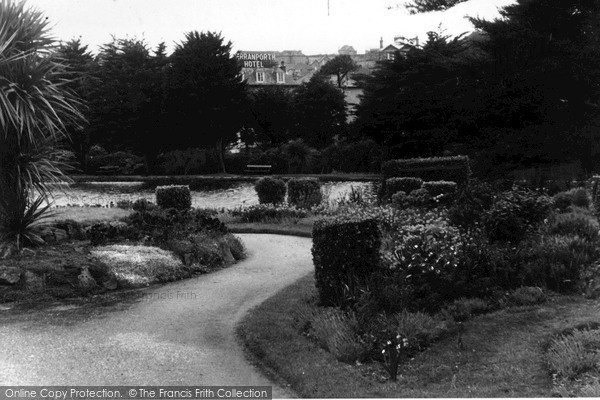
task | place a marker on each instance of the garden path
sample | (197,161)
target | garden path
(182,333)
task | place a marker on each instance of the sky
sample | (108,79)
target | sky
(256,25)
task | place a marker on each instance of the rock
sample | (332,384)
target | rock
(86,281)
(47,235)
(60,234)
(9,275)
(33,282)
(8,250)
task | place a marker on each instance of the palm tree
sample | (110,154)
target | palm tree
(35,107)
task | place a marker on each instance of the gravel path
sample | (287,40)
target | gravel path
(181,333)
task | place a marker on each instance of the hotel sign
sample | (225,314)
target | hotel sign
(256,59)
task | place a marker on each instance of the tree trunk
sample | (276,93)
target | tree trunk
(221,153)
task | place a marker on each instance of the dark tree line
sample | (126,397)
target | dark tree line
(522,90)
(144,101)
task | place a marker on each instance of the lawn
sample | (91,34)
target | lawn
(503,353)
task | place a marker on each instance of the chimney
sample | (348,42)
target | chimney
(381,43)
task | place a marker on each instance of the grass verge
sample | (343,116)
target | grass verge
(503,353)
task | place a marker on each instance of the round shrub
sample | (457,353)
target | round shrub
(174,196)
(504,223)
(270,190)
(400,199)
(562,201)
(580,197)
(305,192)
(420,198)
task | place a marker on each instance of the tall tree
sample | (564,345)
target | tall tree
(340,66)
(271,109)
(127,97)
(79,68)
(418,102)
(320,112)
(206,95)
(543,73)
(35,108)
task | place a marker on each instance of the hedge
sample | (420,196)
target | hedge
(174,196)
(345,252)
(454,169)
(270,190)
(304,192)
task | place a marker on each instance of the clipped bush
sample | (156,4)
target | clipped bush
(305,192)
(345,252)
(454,169)
(174,196)
(562,201)
(405,184)
(580,196)
(270,190)
(142,205)
(582,225)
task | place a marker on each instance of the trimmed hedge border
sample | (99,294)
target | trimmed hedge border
(345,252)
(454,169)
(174,196)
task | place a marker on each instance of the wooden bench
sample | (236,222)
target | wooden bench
(258,169)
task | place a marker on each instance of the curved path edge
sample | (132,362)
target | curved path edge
(181,333)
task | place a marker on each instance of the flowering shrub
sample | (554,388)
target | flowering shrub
(270,190)
(268,213)
(471,204)
(515,213)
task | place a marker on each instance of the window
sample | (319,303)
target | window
(260,77)
(390,55)
(280,77)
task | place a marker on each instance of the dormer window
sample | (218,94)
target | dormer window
(260,77)
(280,77)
